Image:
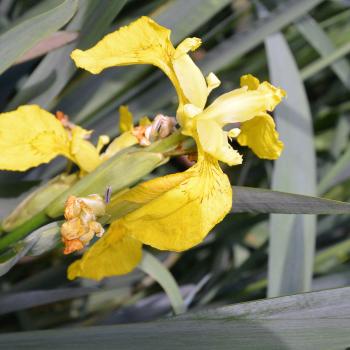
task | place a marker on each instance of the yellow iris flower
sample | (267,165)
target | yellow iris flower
(177,211)
(30,136)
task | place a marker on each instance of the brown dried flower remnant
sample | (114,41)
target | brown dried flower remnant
(81,225)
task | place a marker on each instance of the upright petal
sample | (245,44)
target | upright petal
(30,136)
(260,135)
(177,211)
(113,254)
(213,82)
(214,141)
(125,119)
(191,79)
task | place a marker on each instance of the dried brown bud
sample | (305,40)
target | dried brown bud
(81,225)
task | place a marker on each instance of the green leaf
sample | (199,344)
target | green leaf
(150,265)
(336,174)
(325,61)
(292,238)
(317,320)
(256,200)
(238,45)
(12,256)
(317,38)
(49,17)
(56,69)
(38,242)
(46,45)
(13,302)
(341,136)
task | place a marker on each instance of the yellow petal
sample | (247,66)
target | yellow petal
(176,212)
(233,133)
(125,119)
(142,42)
(189,44)
(250,81)
(30,136)
(145,121)
(102,141)
(83,152)
(125,140)
(214,141)
(260,135)
(190,77)
(113,254)
(242,104)
(213,82)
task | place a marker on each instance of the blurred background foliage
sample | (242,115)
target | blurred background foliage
(302,46)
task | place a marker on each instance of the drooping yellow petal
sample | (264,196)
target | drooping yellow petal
(30,136)
(141,42)
(243,104)
(214,141)
(83,152)
(260,135)
(176,212)
(191,79)
(113,254)
(125,119)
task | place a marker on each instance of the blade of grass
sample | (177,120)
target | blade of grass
(50,17)
(56,69)
(317,38)
(256,200)
(318,320)
(238,45)
(13,302)
(150,265)
(325,61)
(292,238)
(336,174)
(55,41)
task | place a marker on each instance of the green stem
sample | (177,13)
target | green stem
(23,230)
